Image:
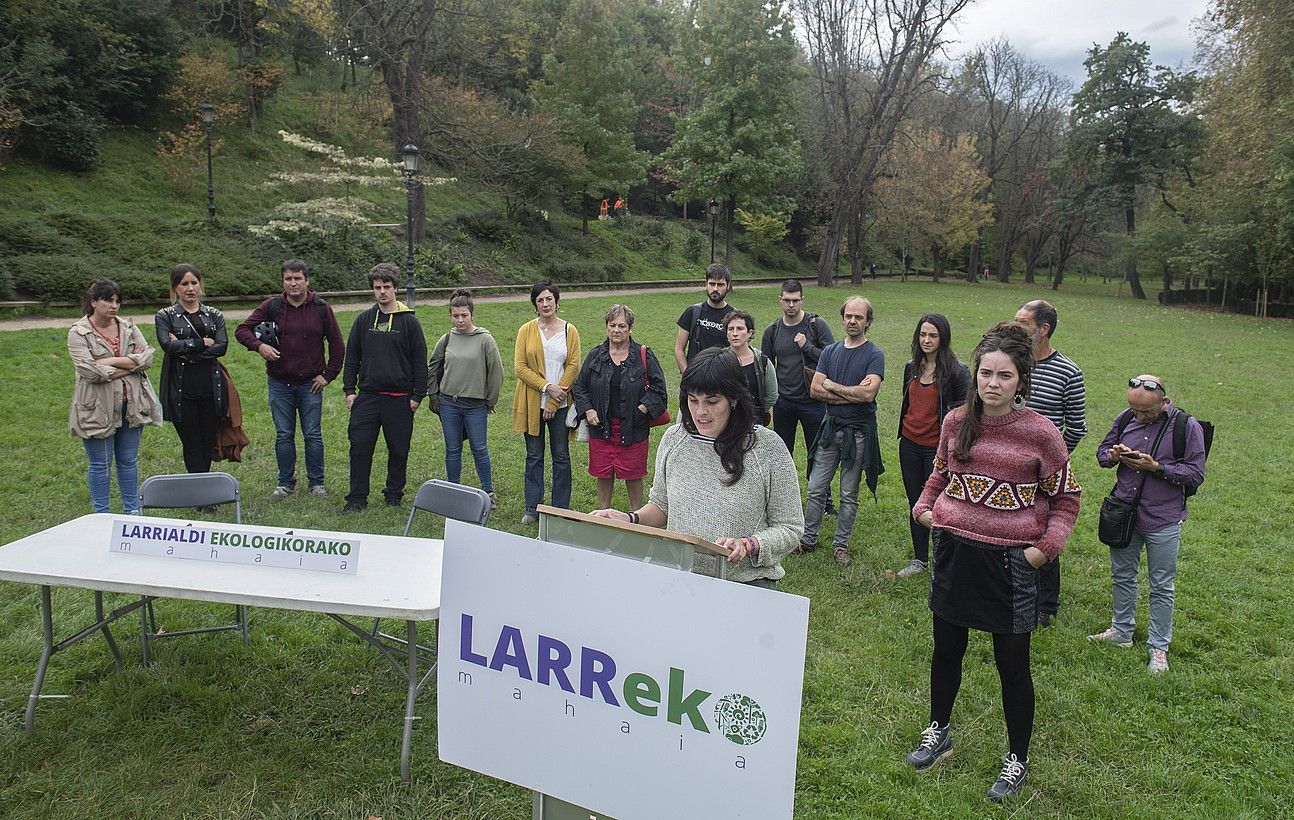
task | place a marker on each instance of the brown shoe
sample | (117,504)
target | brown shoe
(842,555)
(803,547)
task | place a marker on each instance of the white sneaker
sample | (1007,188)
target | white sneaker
(319,491)
(1111,635)
(1158,661)
(280,493)
(914,567)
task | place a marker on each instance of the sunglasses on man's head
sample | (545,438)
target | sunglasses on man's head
(1145,384)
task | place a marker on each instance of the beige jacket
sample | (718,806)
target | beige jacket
(96,402)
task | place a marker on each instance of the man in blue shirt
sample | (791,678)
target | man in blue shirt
(847,380)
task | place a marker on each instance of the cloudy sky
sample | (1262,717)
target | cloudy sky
(1058,33)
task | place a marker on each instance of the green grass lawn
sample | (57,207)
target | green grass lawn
(216,729)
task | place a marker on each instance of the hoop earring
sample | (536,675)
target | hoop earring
(1018,401)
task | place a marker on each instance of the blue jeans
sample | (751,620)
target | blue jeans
(1161,568)
(286,402)
(560,445)
(122,445)
(825,460)
(458,422)
(787,413)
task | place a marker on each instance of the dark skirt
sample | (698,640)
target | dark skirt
(982,586)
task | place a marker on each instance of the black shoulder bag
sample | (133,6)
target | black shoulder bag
(1118,516)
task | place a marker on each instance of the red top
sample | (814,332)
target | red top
(921,422)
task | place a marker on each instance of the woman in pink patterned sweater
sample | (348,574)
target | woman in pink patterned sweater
(1001,502)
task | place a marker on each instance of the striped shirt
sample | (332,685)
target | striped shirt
(1057,393)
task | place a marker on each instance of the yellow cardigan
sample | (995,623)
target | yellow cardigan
(528,361)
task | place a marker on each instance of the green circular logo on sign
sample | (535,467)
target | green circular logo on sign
(740,719)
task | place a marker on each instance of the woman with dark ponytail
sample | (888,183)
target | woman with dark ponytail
(934,382)
(1001,502)
(721,477)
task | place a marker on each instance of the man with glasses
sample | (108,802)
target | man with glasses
(793,344)
(1141,445)
(1056,391)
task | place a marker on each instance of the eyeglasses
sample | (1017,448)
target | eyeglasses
(1146,384)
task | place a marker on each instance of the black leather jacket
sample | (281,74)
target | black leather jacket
(593,391)
(187,347)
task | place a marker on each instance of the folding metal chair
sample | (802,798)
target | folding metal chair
(188,490)
(456,501)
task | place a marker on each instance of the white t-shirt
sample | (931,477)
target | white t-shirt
(555,357)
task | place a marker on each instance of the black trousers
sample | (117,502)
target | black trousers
(197,431)
(1010,655)
(916,462)
(391,415)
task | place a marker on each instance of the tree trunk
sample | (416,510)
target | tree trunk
(1130,270)
(831,247)
(584,212)
(939,263)
(972,259)
(856,262)
(1058,274)
(727,227)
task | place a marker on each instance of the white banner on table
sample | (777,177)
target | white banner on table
(634,690)
(199,541)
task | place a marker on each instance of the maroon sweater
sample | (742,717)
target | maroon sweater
(1017,488)
(301,341)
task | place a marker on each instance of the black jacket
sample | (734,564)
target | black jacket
(951,393)
(386,353)
(593,391)
(187,347)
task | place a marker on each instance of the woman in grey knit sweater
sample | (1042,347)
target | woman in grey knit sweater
(721,478)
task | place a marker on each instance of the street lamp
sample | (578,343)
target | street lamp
(410,156)
(209,124)
(713,207)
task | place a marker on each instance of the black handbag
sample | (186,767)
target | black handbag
(1118,517)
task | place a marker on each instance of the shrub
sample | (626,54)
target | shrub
(60,277)
(486,226)
(71,138)
(777,257)
(6,280)
(694,246)
(583,270)
(436,266)
(20,235)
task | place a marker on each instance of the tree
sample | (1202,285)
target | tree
(930,201)
(1131,126)
(1247,231)
(737,142)
(1011,103)
(399,36)
(869,61)
(586,88)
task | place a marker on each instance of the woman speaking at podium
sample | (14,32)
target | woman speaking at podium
(721,478)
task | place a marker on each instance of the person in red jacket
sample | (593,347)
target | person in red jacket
(1001,502)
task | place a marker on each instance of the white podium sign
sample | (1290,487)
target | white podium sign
(634,690)
(203,541)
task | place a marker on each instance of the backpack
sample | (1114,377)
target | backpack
(1181,425)
(276,306)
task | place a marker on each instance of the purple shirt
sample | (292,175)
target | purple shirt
(1163,501)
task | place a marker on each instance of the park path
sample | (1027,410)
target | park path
(38,323)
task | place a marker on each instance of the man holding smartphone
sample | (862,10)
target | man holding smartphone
(1141,445)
